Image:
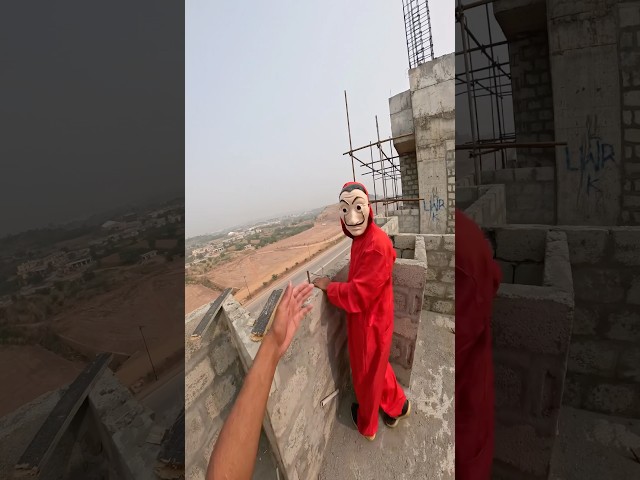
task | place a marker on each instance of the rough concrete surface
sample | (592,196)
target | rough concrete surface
(422,446)
(595,446)
(18,428)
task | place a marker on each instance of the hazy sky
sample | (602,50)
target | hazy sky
(91,107)
(265,123)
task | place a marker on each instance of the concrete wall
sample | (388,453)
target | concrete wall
(439,292)
(530,193)
(408,219)
(629,61)
(583,49)
(486,205)
(603,370)
(409,278)
(389,225)
(401,115)
(466,181)
(433,105)
(531,329)
(213,379)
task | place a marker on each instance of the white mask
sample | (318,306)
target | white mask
(354,211)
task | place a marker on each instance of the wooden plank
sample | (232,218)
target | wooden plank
(46,439)
(266,316)
(211,313)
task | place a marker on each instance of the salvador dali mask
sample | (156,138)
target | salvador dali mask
(354,211)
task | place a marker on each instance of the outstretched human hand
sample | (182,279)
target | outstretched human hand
(289,315)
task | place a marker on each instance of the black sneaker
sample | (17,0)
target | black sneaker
(392,422)
(354,418)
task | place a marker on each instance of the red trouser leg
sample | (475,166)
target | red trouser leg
(374,382)
(393,396)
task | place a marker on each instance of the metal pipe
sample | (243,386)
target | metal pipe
(373,175)
(328,398)
(346,106)
(375,143)
(465,47)
(511,145)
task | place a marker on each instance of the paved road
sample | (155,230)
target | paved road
(319,264)
(168,398)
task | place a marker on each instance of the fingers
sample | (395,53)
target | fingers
(288,294)
(302,292)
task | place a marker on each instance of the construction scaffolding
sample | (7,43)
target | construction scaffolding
(485,79)
(386,169)
(417,26)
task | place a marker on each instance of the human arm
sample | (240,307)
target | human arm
(234,454)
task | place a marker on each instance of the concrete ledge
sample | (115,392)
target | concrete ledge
(486,204)
(531,329)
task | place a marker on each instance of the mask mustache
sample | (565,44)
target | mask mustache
(355,224)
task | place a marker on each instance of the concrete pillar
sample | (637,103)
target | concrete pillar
(586,91)
(432,88)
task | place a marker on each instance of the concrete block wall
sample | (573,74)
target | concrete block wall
(531,329)
(408,219)
(439,291)
(486,205)
(530,193)
(629,61)
(409,177)
(603,374)
(214,375)
(532,97)
(605,346)
(433,106)
(409,277)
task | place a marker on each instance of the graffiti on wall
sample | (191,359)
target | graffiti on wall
(588,162)
(434,206)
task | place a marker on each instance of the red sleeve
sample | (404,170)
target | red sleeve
(357,295)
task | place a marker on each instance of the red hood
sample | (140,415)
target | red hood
(364,189)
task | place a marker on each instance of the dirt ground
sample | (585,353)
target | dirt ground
(109,322)
(34,371)
(259,265)
(197,295)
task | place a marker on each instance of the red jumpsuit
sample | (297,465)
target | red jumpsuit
(477,280)
(367,297)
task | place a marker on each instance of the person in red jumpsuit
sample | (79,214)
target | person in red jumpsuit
(478,277)
(367,297)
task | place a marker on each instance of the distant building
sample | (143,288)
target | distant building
(78,264)
(113,225)
(40,266)
(145,257)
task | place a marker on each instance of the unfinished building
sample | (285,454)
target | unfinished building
(554,177)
